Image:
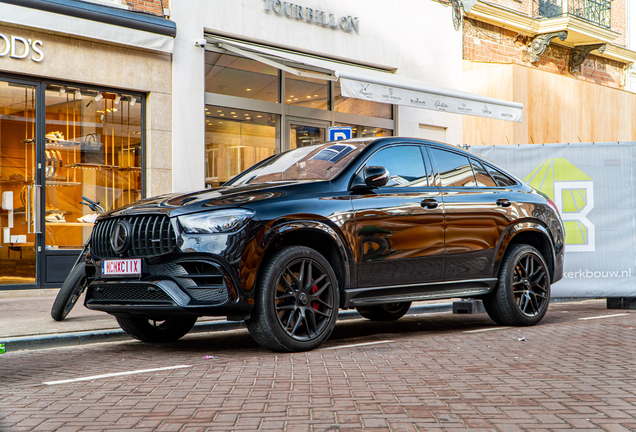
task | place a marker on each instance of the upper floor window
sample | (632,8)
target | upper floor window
(237,76)
(593,11)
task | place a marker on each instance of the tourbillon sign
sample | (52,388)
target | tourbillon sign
(313,16)
(20,48)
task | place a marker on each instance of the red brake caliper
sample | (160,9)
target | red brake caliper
(313,291)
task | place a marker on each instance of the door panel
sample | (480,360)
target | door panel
(398,241)
(19,191)
(474,220)
(399,227)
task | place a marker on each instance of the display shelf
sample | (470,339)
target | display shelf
(61,183)
(70,224)
(91,166)
(16,182)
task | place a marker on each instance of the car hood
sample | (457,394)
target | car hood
(176,204)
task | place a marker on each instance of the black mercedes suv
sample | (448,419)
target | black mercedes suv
(371,224)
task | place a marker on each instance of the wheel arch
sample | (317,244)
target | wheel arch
(530,233)
(316,235)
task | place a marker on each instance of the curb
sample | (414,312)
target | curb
(58,340)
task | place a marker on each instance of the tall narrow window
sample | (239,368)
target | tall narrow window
(235,140)
(93,149)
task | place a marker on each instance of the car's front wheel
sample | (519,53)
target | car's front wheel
(385,312)
(522,294)
(296,301)
(156,330)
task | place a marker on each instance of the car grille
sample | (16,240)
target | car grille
(152,235)
(130,293)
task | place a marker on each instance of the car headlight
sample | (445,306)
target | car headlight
(220,221)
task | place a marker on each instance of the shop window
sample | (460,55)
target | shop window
(235,140)
(237,76)
(92,148)
(306,92)
(359,106)
(17,185)
(359,131)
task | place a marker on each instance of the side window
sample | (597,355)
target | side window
(482,176)
(454,169)
(501,179)
(405,165)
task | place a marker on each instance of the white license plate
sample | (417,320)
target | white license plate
(121,267)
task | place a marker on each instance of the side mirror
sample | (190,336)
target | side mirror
(376,176)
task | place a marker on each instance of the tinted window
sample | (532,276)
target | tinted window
(482,176)
(454,169)
(405,165)
(501,179)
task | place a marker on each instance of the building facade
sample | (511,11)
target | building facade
(252,78)
(85,110)
(567,61)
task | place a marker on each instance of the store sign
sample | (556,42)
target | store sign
(429,101)
(21,48)
(313,16)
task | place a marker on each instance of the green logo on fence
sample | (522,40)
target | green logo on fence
(573,192)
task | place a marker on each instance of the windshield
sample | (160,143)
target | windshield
(317,162)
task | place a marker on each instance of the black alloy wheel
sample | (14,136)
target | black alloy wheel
(522,295)
(530,285)
(297,301)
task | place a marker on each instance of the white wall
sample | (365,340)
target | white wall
(416,37)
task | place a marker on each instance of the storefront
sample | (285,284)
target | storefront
(78,117)
(258,77)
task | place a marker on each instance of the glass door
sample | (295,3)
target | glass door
(92,148)
(305,132)
(19,189)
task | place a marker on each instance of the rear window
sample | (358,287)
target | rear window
(501,179)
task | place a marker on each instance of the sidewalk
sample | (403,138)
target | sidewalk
(26,323)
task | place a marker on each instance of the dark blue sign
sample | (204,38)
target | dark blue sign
(339,133)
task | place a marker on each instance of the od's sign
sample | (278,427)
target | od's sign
(20,48)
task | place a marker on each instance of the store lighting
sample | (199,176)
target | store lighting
(133,101)
(232,112)
(248,89)
(117,99)
(259,116)
(99,97)
(62,91)
(78,94)
(221,115)
(308,97)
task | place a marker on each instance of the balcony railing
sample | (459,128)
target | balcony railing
(594,11)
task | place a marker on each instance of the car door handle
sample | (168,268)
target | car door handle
(502,202)
(429,203)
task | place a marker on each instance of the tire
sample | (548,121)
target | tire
(71,290)
(385,312)
(156,331)
(291,314)
(522,295)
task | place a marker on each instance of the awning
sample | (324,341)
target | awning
(93,21)
(373,85)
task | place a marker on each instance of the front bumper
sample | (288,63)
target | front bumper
(184,284)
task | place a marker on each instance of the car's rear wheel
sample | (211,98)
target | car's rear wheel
(296,301)
(385,312)
(522,295)
(156,330)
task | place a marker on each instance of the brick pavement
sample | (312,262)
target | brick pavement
(433,376)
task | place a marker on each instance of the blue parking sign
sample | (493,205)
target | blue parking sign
(339,133)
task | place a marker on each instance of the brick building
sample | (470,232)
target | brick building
(567,61)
